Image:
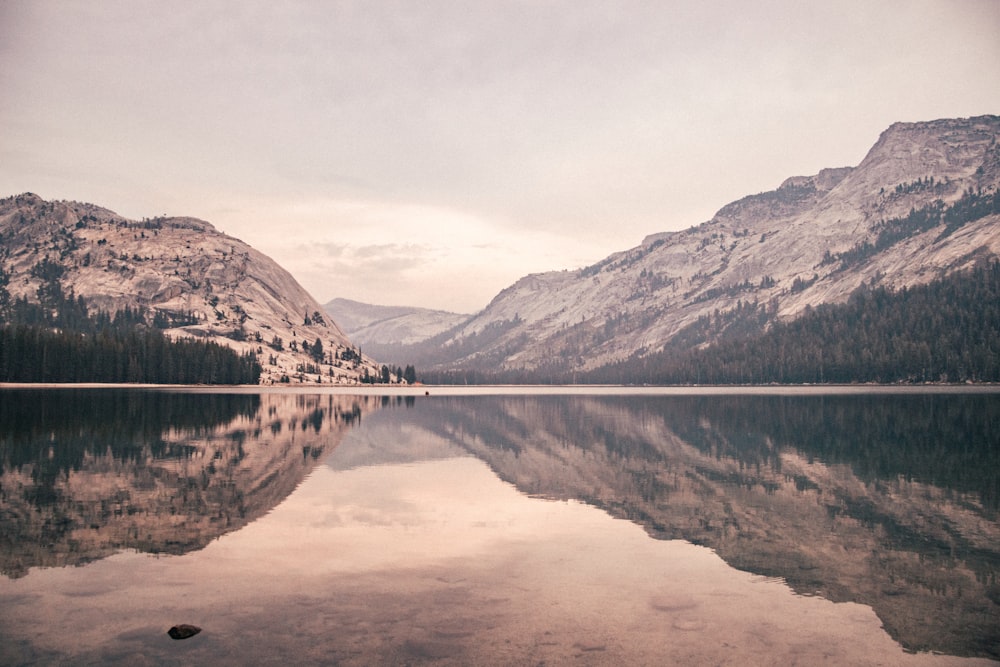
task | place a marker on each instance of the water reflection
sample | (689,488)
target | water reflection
(463,530)
(85,474)
(890,501)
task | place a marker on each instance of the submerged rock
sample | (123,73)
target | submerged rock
(183,631)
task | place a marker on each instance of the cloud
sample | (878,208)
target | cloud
(326,250)
(446,258)
(380,258)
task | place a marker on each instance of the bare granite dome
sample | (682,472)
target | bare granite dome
(208,284)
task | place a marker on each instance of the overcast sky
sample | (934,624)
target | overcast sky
(431,153)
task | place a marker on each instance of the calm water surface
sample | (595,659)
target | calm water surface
(598,527)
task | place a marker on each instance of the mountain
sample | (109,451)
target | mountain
(192,281)
(382,330)
(921,205)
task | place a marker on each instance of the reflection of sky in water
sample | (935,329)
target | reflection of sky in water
(429,557)
(404,514)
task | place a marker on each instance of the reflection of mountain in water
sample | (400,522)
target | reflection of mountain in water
(889,501)
(88,473)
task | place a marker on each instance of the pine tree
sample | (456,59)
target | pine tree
(316,351)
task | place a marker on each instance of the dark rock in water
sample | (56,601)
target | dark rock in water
(183,631)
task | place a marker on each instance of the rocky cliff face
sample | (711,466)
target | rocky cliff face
(203,282)
(784,248)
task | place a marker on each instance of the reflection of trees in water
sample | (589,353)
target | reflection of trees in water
(887,500)
(942,439)
(61,426)
(946,440)
(88,473)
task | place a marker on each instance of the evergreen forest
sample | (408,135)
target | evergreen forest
(57,339)
(945,331)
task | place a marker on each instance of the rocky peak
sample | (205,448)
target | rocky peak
(824,181)
(951,149)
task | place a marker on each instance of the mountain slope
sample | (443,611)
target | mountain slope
(195,280)
(814,240)
(368,324)
(944,331)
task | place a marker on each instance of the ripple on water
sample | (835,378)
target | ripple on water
(689,624)
(672,603)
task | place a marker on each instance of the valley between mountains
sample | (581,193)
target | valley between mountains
(920,207)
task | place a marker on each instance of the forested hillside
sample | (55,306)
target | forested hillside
(58,340)
(192,282)
(945,331)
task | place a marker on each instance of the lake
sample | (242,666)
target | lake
(500,526)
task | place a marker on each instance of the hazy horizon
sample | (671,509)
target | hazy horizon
(431,154)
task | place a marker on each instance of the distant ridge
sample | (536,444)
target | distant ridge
(384,330)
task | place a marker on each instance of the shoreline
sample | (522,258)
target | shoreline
(577,389)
